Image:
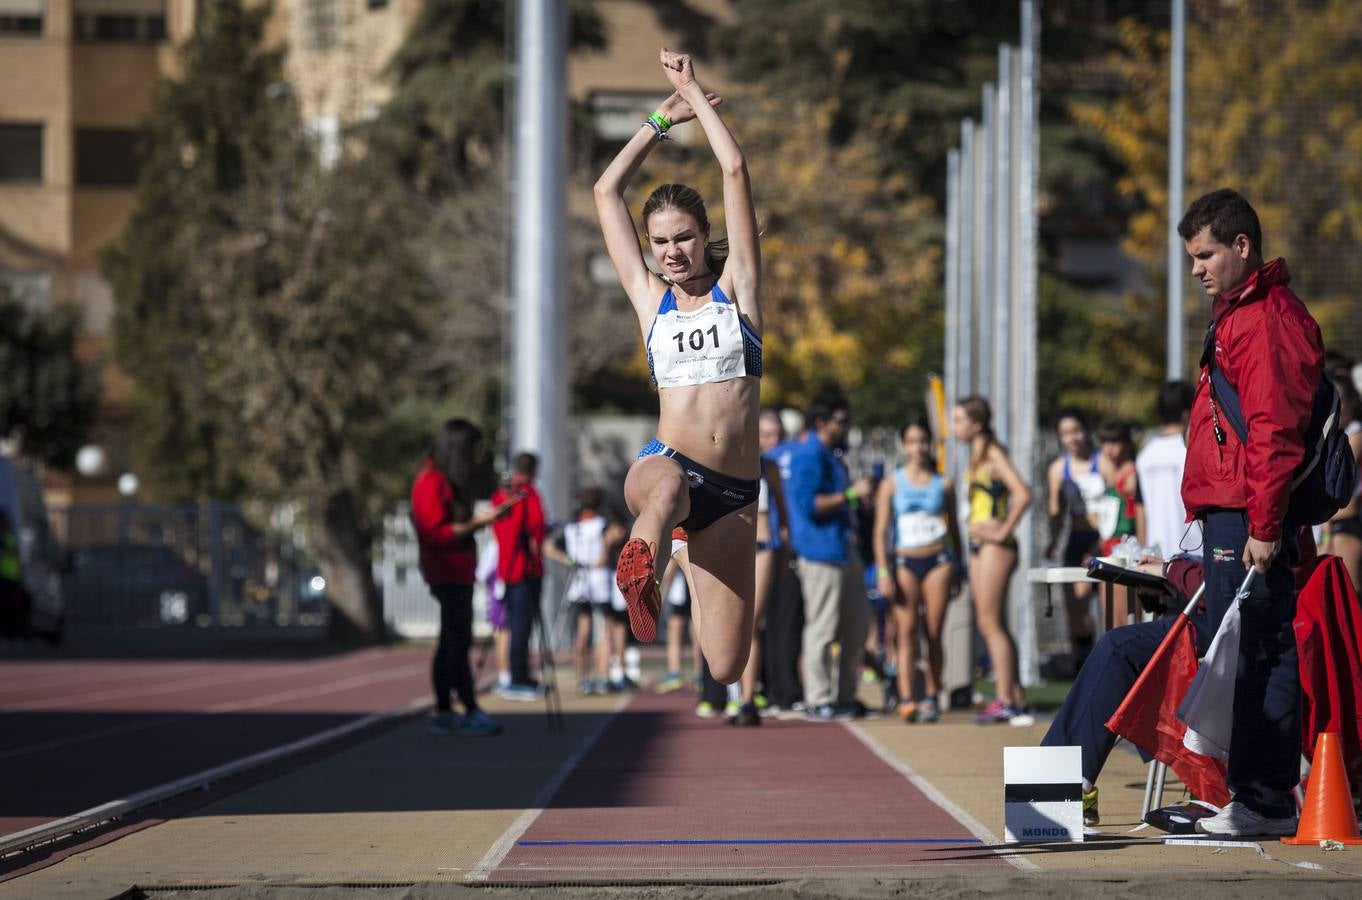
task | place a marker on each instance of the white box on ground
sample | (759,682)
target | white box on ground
(1042,794)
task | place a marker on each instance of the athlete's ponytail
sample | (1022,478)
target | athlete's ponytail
(716,254)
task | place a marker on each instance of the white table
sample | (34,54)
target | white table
(1052,575)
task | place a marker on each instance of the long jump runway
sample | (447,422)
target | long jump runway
(665,795)
(77,733)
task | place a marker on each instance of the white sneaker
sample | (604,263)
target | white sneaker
(1237,820)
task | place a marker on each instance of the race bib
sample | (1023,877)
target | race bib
(697,347)
(920,529)
(1106,510)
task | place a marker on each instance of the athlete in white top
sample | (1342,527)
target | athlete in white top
(586,549)
(702,325)
(1159,468)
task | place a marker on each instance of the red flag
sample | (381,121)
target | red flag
(1148,715)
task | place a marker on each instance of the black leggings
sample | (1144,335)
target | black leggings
(449,670)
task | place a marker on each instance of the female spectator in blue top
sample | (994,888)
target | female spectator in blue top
(914,513)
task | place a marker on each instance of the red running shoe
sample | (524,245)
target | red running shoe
(634,577)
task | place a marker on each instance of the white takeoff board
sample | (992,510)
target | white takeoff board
(1042,794)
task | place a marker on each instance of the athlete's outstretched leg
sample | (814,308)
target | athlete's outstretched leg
(655,490)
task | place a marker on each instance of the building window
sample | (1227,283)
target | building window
(21,25)
(21,153)
(378,4)
(121,21)
(21,18)
(615,116)
(33,288)
(106,157)
(319,22)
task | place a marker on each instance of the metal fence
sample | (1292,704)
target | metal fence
(201,566)
(409,609)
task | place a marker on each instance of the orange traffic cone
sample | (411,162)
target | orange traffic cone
(1328,812)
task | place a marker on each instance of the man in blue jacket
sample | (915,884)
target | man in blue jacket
(821,501)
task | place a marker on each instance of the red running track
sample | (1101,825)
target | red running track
(78,733)
(664,795)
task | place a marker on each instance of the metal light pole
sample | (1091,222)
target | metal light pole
(1001,391)
(537,260)
(1176,176)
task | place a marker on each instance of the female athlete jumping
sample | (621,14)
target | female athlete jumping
(701,324)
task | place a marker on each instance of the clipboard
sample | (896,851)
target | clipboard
(1142,582)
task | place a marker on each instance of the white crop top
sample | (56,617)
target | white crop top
(712,343)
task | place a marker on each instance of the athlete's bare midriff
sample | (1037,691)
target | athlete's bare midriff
(714,424)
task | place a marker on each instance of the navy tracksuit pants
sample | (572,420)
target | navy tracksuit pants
(522,608)
(1265,744)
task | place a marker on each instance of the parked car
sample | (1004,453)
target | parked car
(41,556)
(134,584)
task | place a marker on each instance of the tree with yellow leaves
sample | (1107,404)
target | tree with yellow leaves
(1272,113)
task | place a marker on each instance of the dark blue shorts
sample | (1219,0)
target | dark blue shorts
(921,566)
(712,495)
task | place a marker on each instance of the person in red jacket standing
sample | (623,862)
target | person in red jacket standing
(520,543)
(1268,347)
(442,513)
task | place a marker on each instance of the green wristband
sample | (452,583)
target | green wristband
(660,119)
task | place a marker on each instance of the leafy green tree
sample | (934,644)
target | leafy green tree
(296,333)
(48,396)
(268,322)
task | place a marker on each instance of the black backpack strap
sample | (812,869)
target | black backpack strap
(1227,398)
(1224,398)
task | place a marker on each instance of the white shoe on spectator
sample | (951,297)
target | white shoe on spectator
(1237,820)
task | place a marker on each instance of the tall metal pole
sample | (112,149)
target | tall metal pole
(951,363)
(984,153)
(1026,442)
(1176,178)
(537,260)
(1002,248)
(964,383)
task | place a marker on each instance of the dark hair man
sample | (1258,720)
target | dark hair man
(822,500)
(520,566)
(1269,348)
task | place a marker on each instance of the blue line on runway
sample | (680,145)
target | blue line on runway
(784,841)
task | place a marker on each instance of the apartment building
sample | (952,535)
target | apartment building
(78,76)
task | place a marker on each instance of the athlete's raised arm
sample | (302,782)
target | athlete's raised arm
(617,226)
(743,267)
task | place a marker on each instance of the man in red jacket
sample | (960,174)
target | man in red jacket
(520,566)
(1268,347)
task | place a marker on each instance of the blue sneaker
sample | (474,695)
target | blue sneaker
(443,723)
(824,713)
(478,724)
